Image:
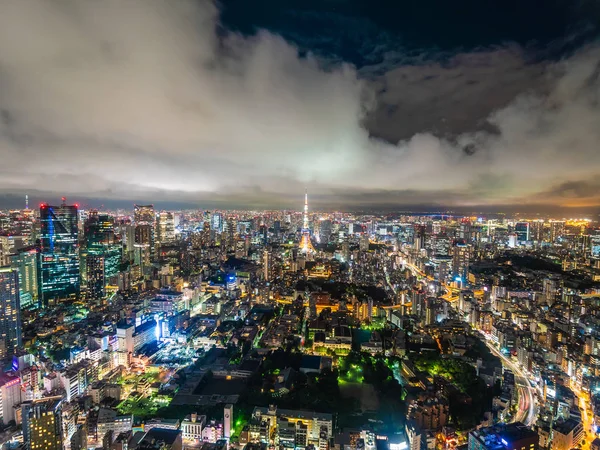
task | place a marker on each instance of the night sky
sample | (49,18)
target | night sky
(391,104)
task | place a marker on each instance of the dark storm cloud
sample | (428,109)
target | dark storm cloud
(451,97)
(152,100)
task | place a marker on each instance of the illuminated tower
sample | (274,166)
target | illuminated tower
(306,246)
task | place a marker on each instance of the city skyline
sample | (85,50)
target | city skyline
(230,109)
(299,225)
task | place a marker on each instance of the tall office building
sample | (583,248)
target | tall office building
(266,265)
(461,255)
(230,229)
(216,222)
(440,245)
(595,245)
(536,230)
(99,229)
(59,251)
(325,230)
(26,262)
(144,245)
(9,245)
(101,258)
(42,424)
(557,230)
(465,230)
(10,312)
(96,280)
(522,231)
(145,223)
(165,228)
(144,214)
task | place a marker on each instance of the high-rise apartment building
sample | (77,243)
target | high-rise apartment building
(10,311)
(42,424)
(59,251)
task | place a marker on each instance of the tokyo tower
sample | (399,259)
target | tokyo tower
(306,246)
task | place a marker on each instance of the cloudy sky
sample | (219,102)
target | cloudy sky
(244,103)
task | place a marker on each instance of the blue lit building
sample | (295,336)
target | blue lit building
(59,247)
(514,436)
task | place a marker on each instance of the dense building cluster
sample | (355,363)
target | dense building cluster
(150,329)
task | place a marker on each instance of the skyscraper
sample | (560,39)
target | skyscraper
(144,244)
(216,222)
(165,228)
(557,230)
(144,214)
(325,229)
(26,261)
(522,231)
(145,222)
(461,255)
(59,251)
(10,311)
(266,265)
(102,255)
(42,424)
(95,275)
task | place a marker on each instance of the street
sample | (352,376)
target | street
(527,410)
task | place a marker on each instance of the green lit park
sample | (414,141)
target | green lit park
(142,394)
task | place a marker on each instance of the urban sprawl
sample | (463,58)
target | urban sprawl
(256,330)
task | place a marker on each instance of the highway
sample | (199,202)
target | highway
(527,410)
(451,294)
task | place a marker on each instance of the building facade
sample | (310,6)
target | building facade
(59,239)
(10,311)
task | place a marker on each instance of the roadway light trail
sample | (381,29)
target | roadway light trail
(527,410)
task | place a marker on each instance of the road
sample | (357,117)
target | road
(527,410)
(451,294)
(587,415)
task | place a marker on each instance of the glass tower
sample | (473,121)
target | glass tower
(102,254)
(59,251)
